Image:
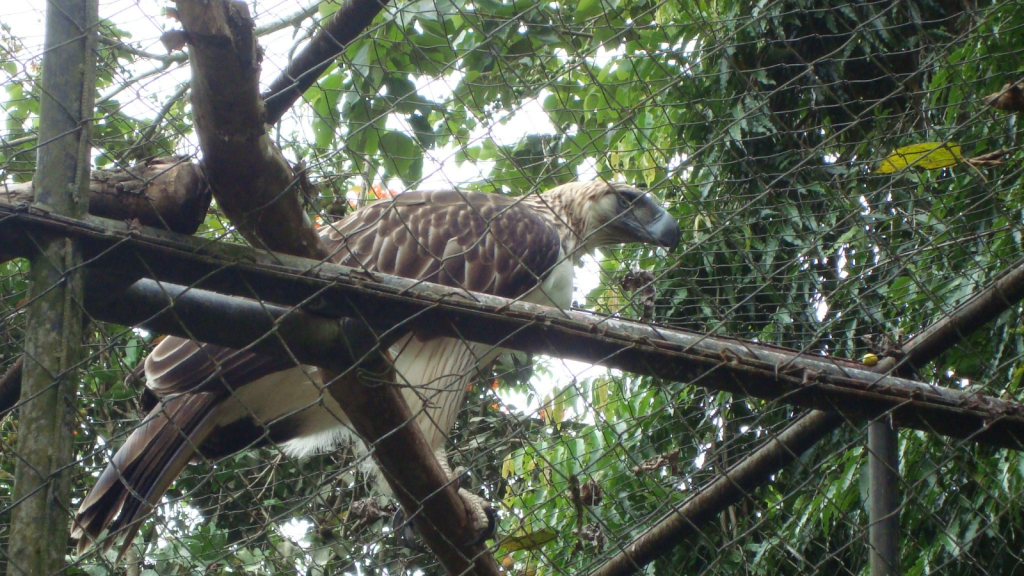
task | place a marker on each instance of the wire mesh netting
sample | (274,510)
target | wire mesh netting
(843,175)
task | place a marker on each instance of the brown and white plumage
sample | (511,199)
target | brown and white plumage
(208,401)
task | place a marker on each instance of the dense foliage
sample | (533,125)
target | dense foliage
(761,125)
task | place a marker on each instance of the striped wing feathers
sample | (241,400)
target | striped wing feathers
(479,242)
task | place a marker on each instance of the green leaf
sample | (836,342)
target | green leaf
(403,157)
(588,9)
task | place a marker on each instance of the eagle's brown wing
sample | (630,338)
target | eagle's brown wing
(480,242)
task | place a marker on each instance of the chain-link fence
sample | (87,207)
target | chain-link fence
(844,188)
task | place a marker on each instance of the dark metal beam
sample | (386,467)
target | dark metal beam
(727,489)
(289,334)
(386,302)
(883,470)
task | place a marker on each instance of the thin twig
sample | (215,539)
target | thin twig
(151,129)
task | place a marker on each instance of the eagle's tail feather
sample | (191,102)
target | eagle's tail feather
(436,372)
(143,469)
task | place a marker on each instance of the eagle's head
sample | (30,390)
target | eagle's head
(606,213)
(621,213)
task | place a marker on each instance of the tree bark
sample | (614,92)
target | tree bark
(166,193)
(249,176)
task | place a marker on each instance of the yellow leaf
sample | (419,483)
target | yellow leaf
(558,413)
(927,155)
(650,175)
(508,466)
(528,540)
(601,392)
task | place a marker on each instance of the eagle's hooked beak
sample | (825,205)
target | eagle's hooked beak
(664,230)
(645,221)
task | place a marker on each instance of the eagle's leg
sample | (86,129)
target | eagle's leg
(482,517)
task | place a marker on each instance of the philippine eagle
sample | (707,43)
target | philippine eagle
(210,402)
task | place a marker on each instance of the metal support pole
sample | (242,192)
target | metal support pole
(883,467)
(687,519)
(40,518)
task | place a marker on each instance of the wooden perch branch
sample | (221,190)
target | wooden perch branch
(387,302)
(166,193)
(250,179)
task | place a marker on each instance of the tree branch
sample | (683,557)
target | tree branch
(345,25)
(251,180)
(166,193)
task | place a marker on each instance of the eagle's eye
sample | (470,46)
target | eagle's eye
(624,202)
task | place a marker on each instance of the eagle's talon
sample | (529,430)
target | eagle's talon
(482,518)
(458,475)
(403,528)
(489,531)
